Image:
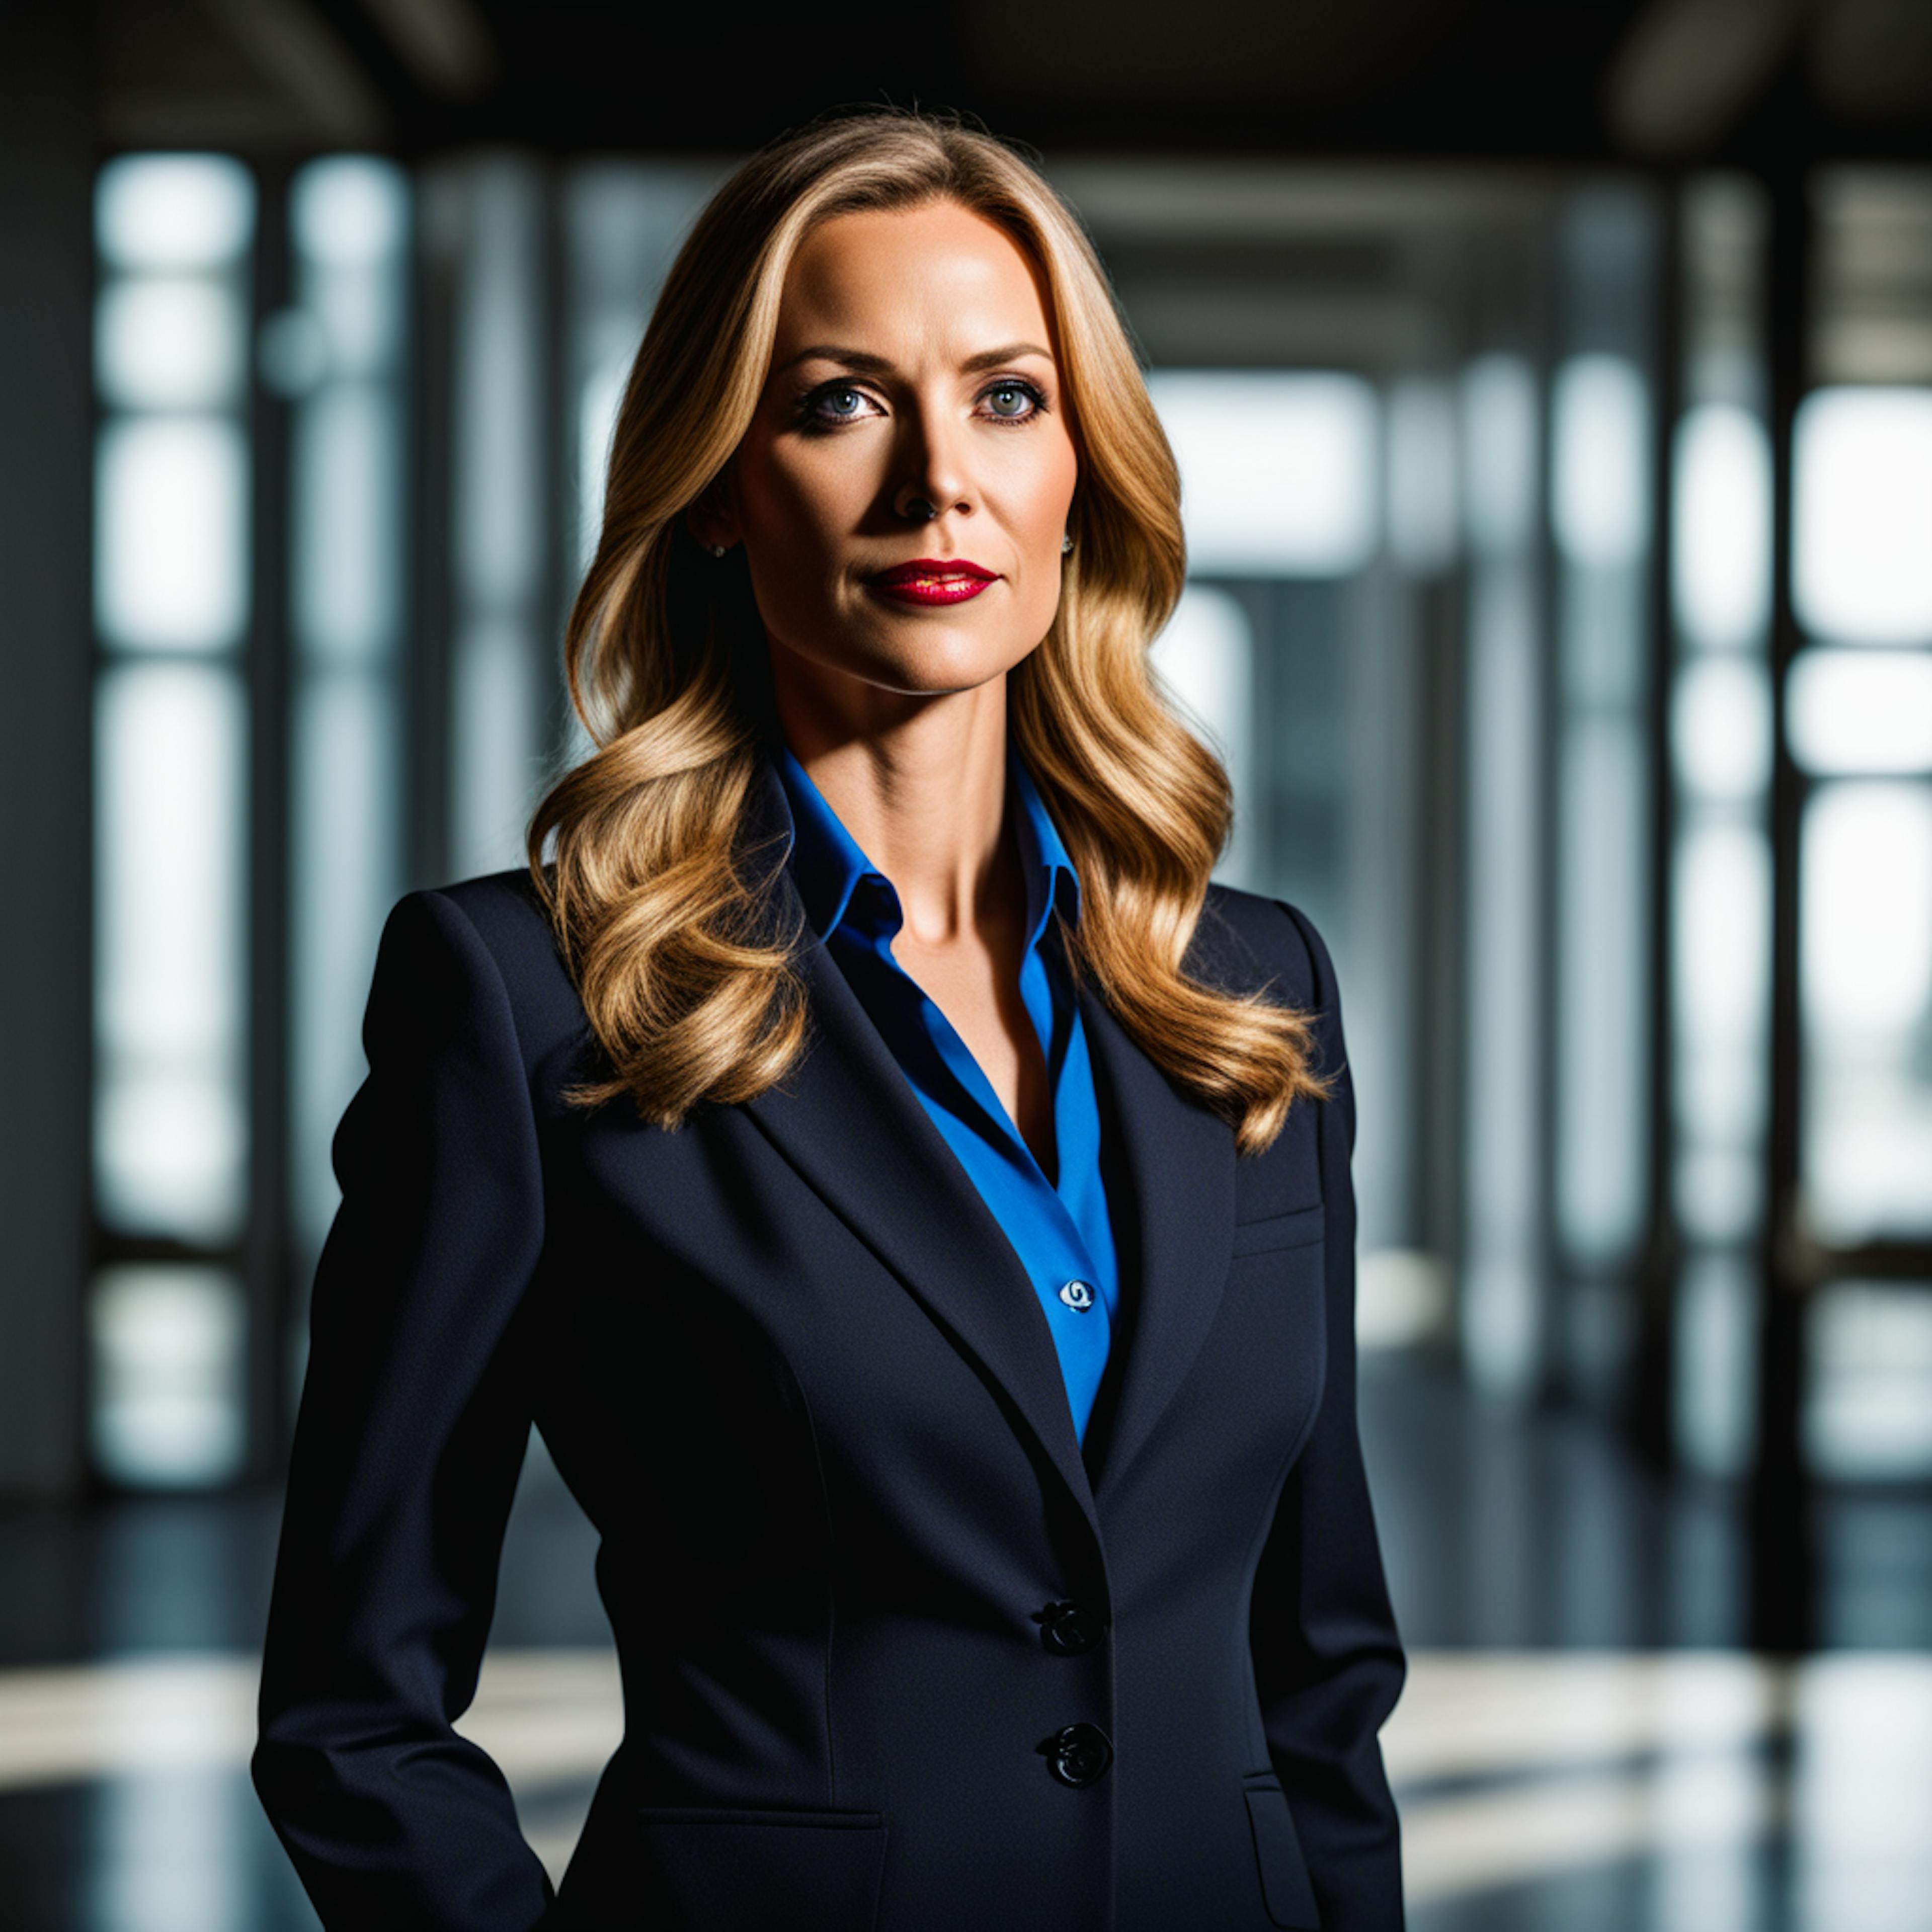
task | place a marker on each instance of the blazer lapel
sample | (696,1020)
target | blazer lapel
(848,1120)
(1179,1162)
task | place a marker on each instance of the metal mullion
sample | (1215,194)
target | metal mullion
(1551,1382)
(1783,1617)
(426,386)
(1650,1406)
(266,1255)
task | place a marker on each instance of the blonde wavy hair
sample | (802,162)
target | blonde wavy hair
(661,913)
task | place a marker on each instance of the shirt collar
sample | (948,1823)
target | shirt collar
(828,865)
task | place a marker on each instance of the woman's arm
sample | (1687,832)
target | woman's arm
(414,1419)
(1328,1664)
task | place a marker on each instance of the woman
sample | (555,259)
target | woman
(911,1202)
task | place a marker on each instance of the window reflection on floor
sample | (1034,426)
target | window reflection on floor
(1581,1747)
(1691,1792)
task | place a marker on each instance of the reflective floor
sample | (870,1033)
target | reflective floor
(1693,1791)
(1581,1747)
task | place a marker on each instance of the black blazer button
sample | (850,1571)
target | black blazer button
(1066,1630)
(1079,1755)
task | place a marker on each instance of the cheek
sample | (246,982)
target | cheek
(801,501)
(1044,494)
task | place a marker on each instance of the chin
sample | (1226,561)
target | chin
(937,665)
(925,657)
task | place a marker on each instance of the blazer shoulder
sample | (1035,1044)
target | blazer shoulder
(1246,942)
(505,912)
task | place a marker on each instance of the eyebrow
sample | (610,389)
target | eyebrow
(865,363)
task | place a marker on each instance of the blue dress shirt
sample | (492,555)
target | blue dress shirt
(1060,1229)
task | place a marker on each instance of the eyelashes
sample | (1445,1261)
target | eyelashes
(830,406)
(816,408)
(1012,385)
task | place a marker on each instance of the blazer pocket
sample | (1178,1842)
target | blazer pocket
(1285,1891)
(1301,1229)
(732,1870)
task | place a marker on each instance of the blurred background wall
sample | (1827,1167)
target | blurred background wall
(1552,389)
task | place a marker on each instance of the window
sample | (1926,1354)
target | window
(172,601)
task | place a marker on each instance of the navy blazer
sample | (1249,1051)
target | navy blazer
(896,1656)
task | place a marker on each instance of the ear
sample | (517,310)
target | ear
(712,517)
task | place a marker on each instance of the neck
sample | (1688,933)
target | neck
(919,780)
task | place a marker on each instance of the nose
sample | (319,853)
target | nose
(932,479)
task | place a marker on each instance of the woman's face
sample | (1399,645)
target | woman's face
(913,364)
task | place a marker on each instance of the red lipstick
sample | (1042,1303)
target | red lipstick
(932,580)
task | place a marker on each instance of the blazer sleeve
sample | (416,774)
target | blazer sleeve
(1328,1663)
(414,1418)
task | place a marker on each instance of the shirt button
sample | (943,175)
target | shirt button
(1078,1295)
(1079,1755)
(1068,1630)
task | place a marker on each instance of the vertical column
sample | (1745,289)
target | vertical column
(339,352)
(1602,521)
(1380,813)
(1503,1246)
(267,1256)
(46,173)
(173,1147)
(1719,746)
(502,622)
(1783,1610)
(621,222)
(1652,1366)
(1424,474)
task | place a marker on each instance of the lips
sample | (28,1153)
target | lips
(932,580)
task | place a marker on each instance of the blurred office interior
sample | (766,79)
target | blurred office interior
(1552,389)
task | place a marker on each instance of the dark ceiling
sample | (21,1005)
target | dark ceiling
(1585,80)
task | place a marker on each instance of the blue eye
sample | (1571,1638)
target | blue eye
(837,403)
(1013,402)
